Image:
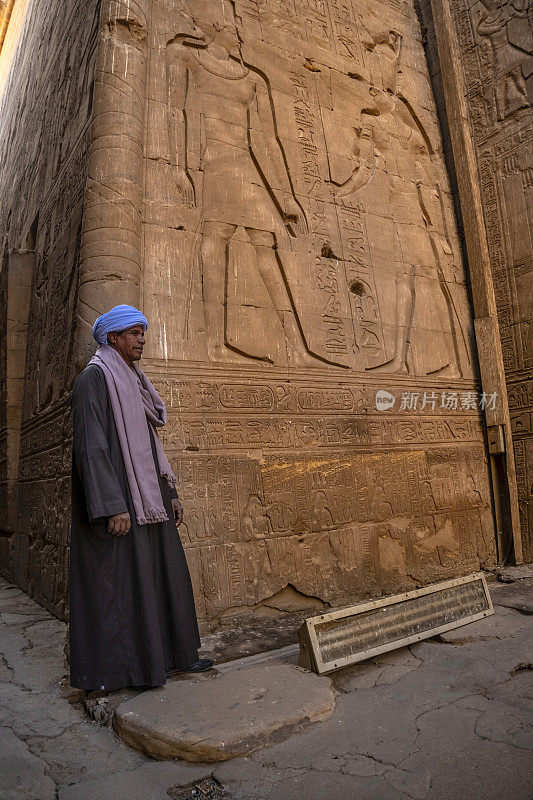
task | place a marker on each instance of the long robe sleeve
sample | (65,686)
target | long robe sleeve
(103,494)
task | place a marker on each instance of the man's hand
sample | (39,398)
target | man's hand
(119,524)
(178,511)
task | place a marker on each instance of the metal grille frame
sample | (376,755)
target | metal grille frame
(311,656)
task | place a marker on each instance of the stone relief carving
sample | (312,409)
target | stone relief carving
(507,26)
(299,240)
(275,190)
(496,40)
(256,522)
(515,175)
(44,138)
(345,533)
(233,101)
(389,123)
(286,254)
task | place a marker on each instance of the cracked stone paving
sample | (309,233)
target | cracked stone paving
(447,718)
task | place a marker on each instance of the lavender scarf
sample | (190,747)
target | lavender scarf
(135,402)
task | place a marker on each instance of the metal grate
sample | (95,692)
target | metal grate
(344,637)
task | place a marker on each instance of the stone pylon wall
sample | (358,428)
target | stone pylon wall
(45,128)
(266,180)
(299,255)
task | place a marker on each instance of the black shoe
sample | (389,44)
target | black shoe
(199,666)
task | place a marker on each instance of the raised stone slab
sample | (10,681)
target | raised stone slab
(214,719)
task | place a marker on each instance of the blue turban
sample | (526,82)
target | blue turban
(118,319)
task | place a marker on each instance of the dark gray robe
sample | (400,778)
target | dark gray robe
(132,609)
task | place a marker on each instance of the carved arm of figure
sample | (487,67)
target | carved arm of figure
(429,199)
(365,164)
(293,213)
(177,82)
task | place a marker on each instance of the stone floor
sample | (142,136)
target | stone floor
(447,718)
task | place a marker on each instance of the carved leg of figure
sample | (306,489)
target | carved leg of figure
(269,269)
(446,314)
(452,368)
(214,257)
(405,302)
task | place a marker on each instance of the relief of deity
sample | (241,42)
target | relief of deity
(239,178)
(507,25)
(389,135)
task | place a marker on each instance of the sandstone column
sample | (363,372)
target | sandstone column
(110,259)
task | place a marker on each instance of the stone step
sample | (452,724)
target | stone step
(223,715)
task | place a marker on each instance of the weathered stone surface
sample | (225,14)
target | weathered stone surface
(22,775)
(382,670)
(503,625)
(269,178)
(216,719)
(434,709)
(492,49)
(466,704)
(147,782)
(518,595)
(47,71)
(511,574)
(32,706)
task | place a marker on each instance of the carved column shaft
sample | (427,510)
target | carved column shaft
(110,260)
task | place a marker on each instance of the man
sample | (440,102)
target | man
(132,614)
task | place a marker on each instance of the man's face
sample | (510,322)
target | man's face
(129,343)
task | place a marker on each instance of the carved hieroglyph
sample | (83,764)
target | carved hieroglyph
(310,216)
(46,112)
(300,253)
(265,178)
(496,47)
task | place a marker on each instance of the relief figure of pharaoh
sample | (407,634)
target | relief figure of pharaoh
(207,77)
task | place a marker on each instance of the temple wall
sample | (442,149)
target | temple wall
(493,57)
(45,121)
(497,57)
(267,180)
(300,254)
